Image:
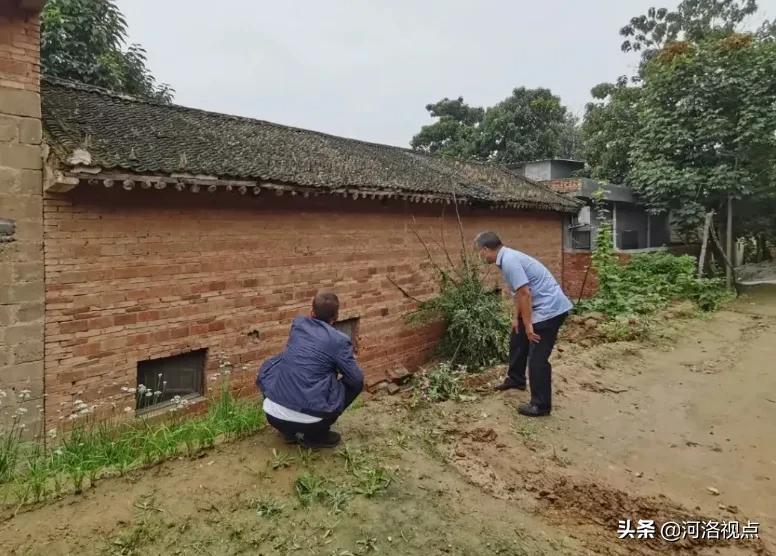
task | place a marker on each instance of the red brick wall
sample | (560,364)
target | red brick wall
(19,43)
(575,264)
(144,274)
(564,185)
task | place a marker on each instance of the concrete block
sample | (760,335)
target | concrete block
(10,180)
(28,272)
(27,157)
(32,182)
(29,230)
(28,351)
(21,207)
(29,312)
(30,131)
(8,314)
(19,102)
(21,333)
(22,293)
(8,132)
(23,376)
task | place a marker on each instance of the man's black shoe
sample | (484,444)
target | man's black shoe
(289,438)
(329,439)
(531,410)
(508,384)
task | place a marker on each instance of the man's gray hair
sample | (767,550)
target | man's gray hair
(489,240)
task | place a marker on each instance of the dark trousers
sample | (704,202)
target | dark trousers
(536,357)
(311,430)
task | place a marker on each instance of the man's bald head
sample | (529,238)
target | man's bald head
(326,307)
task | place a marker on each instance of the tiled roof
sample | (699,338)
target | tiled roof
(131,135)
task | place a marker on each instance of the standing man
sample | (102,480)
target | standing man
(308,386)
(540,309)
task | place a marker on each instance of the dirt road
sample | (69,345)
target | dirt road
(638,431)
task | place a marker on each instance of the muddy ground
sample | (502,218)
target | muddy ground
(640,431)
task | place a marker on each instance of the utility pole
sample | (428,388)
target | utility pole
(729,242)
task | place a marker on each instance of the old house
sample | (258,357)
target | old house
(634,229)
(157,239)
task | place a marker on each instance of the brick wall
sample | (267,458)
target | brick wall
(564,185)
(575,264)
(145,274)
(19,49)
(21,259)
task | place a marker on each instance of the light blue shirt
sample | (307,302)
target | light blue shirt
(547,297)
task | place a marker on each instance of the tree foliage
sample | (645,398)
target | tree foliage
(695,123)
(692,21)
(529,124)
(706,126)
(609,129)
(455,133)
(83,40)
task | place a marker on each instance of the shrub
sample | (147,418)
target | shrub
(648,282)
(476,318)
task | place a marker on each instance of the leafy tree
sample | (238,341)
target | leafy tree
(611,120)
(525,126)
(692,21)
(571,139)
(609,128)
(706,126)
(83,40)
(529,124)
(455,133)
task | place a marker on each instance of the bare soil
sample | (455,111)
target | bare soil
(640,431)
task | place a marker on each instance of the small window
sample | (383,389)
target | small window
(580,239)
(349,327)
(180,375)
(579,230)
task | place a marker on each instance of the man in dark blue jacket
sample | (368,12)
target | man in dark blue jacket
(308,386)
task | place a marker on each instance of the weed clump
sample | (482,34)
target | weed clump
(438,384)
(647,283)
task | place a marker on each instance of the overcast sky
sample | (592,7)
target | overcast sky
(367,68)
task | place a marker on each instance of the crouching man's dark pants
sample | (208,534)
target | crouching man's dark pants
(536,357)
(311,430)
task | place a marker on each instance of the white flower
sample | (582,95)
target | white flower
(176,399)
(141,388)
(52,433)
(21,410)
(148,394)
(160,375)
(157,393)
(58,452)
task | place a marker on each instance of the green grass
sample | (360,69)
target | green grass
(95,449)
(365,476)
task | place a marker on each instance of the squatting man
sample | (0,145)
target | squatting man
(308,386)
(540,307)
